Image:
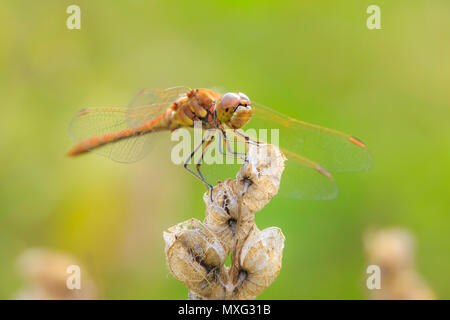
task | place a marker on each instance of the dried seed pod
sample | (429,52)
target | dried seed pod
(260,262)
(193,296)
(223,216)
(196,253)
(264,168)
(231,213)
(195,257)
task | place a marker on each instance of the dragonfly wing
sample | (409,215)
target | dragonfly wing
(306,179)
(97,122)
(147,104)
(145,99)
(303,178)
(332,149)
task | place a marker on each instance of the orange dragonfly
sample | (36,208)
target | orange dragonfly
(123,134)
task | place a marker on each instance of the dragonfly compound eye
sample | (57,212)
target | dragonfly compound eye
(230,101)
(244,99)
(228,104)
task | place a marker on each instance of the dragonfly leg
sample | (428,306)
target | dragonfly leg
(199,176)
(197,166)
(186,163)
(230,152)
(248,139)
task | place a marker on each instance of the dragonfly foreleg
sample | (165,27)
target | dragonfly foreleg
(230,153)
(197,166)
(207,141)
(248,139)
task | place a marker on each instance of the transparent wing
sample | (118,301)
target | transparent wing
(333,150)
(146,105)
(141,107)
(97,122)
(311,151)
(305,179)
(302,178)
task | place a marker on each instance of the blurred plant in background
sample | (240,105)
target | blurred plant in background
(392,250)
(316,61)
(47,274)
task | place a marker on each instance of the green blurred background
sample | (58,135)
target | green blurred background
(314,60)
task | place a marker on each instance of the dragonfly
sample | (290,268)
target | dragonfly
(313,153)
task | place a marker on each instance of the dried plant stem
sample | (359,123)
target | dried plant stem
(196,251)
(234,269)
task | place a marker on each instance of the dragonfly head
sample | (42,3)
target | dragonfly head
(234,109)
